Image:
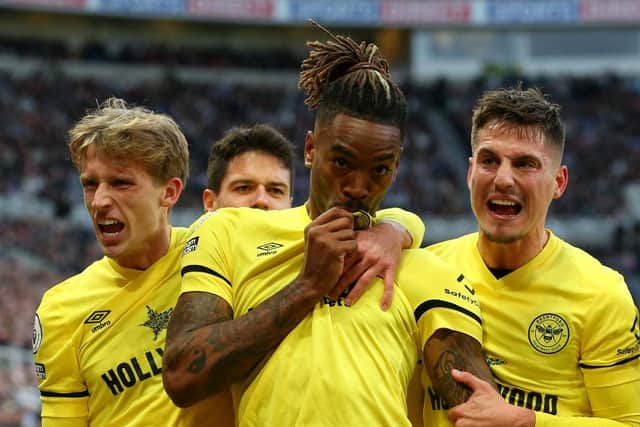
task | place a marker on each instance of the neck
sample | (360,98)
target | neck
(152,251)
(312,211)
(511,255)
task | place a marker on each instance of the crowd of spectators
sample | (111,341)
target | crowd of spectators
(603,147)
(279,58)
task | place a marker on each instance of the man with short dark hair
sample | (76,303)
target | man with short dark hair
(561,331)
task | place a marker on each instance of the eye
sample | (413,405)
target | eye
(488,161)
(382,170)
(527,164)
(340,162)
(120,183)
(242,189)
(89,185)
(277,191)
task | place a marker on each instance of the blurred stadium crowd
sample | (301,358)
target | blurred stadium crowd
(44,238)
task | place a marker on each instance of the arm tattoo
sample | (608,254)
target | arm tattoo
(442,379)
(446,350)
(194,310)
(205,342)
(198,362)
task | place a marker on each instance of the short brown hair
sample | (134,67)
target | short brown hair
(132,133)
(528,108)
(239,140)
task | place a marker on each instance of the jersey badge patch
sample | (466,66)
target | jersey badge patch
(157,321)
(40,371)
(191,245)
(268,248)
(548,333)
(37,334)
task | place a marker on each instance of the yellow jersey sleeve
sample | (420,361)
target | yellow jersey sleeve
(206,266)
(63,391)
(609,409)
(410,221)
(441,297)
(610,336)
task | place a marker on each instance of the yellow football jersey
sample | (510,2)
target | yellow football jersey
(99,338)
(341,366)
(556,330)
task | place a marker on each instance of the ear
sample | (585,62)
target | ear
(309,149)
(208,200)
(172,192)
(469,169)
(562,180)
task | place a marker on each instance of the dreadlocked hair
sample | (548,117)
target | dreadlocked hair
(342,76)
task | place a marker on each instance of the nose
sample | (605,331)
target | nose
(356,185)
(262,199)
(504,177)
(101,197)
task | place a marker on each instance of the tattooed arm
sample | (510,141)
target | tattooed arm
(208,350)
(447,350)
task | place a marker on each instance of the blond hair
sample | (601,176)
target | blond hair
(136,134)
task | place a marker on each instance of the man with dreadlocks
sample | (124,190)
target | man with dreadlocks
(277,325)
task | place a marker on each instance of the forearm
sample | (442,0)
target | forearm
(447,350)
(207,357)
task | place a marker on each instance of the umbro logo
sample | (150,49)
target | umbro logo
(98,317)
(268,248)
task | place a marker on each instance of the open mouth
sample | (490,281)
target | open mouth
(504,207)
(110,227)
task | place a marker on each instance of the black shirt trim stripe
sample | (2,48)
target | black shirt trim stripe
(621,362)
(72,394)
(203,269)
(428,305)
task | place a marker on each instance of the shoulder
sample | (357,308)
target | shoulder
(587,269)
(426,274)
(67,300)
(599,286)
(421,259)
(455,245)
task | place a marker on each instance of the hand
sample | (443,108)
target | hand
(329,240)
(486,408)
(378,254)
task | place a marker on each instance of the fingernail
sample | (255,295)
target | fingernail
(455,371)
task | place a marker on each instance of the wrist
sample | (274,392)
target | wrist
(524,417)
(306,293)
(406,241)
